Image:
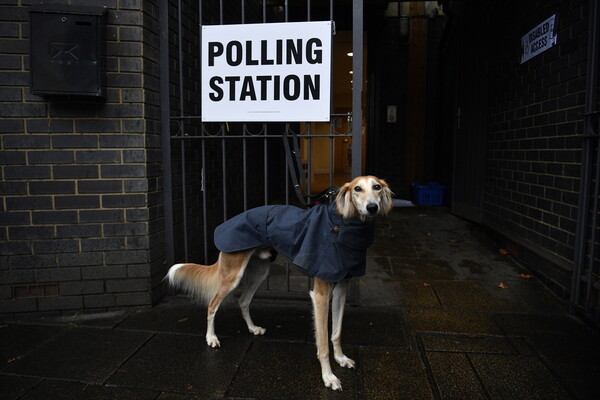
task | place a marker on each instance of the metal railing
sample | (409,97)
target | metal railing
(212,171)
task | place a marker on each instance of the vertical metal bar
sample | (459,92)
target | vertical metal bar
(244,140)
(309,162)
(244,167)
(204,198)
(586,155)
(182,144)
(287,129)
(287,180)
(221,12)
(592,255)
(165,132)
(224,174)
(331,158)
(203,153)
(265,167)
(265,144)
(357,86)
(331,106)
(180,55)
(186,254)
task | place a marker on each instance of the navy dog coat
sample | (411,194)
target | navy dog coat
(318,240)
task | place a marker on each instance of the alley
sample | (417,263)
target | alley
(442,313)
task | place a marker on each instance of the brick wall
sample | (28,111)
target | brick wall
(534,142)
(80,215)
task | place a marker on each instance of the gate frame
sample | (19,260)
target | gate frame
(166,118)
(583,281)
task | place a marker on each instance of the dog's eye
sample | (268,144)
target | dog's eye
(357,189)
(376,187)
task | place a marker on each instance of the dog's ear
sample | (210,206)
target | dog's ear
(343,201)
(386,197)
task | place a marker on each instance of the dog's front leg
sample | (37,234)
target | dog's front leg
(320,298)
(337,305)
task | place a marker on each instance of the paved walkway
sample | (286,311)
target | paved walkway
(431,322)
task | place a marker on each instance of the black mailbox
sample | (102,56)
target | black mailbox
(65,54)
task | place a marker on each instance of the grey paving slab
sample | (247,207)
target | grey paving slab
(517,377)
(393,374)
(379,267)
(476,296)
(13,387)
(282,321)
(422,268)
(18,340)
(468,344)
(61,390)
(454,377)
(176,315)
(377,292)
(419,294)
(456,322)
(567,346)
(374,327)
(84,354)
(528,324)
(183,364)
(391,247)
(100,320)
(178,396)
(290,371)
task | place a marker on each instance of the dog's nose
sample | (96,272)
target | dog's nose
(372,208)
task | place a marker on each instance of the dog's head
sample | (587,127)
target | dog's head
(364,197)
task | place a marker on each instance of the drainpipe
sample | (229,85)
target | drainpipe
(590,136)
(165,130)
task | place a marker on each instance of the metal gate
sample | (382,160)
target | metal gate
(585,282)
(213,171)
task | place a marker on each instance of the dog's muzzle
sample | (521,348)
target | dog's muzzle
(372,208)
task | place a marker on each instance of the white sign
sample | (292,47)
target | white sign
(266,72)
(538,40)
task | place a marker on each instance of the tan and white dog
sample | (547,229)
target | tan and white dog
(360,201)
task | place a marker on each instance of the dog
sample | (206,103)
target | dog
(328,241)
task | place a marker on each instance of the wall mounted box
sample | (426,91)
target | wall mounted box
(65,55)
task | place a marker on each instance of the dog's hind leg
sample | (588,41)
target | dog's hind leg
(338,303)
(320,298)
(231,269)
(257,271)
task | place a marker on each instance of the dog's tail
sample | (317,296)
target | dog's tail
(200,281)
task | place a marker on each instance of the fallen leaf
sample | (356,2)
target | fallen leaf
(189,387)
(502,286)
(503,251)
(526,276)
(12,360)
(426,284)
(183,320)
(454,240)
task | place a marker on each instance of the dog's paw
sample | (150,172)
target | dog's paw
(257,330)
(213,341)
(331,381)
(345,362)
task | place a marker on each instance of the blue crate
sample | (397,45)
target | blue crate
(431,194)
